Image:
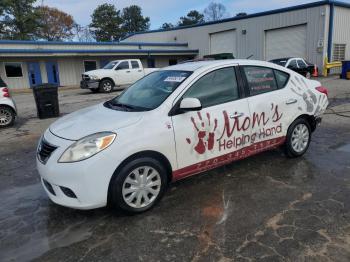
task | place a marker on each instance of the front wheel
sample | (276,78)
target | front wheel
(298,138)
(106,86)
(139,185)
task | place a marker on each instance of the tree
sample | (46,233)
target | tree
(54,25)
(167,26)
(106,23)
(18,19)
(215,11)
(82,33)
(133,21)
(193,17)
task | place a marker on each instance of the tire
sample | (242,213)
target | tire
(106,86)
(7,116)
(94,90)
(125,189)
(298,138)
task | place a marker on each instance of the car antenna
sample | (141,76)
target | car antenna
(250,56)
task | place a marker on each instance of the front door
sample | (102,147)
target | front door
(52,73)
(123,74)
(34,74)
(270,105)
(219,132)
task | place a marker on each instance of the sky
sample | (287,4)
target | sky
(161,11)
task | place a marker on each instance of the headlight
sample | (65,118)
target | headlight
(87,147)
(92,77)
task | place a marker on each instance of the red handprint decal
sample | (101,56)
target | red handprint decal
(206,136)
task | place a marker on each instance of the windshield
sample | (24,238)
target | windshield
(110,65)
(149,92)
(281,62)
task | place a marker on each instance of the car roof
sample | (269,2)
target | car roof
(194,66)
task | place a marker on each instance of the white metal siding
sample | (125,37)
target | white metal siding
(223,42)
(252,43)
(285,42)
(341,28)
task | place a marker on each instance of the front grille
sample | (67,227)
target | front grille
(45,150)
(49,187)
(85,77)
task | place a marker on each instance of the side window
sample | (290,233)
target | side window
(293,64)
(217,87)
(135,64)
(260,79)
(281,78)
(123,65)
(301,63)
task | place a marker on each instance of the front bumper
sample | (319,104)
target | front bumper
(89,84)
(88,179)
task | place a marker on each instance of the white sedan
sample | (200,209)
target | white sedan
(174,123)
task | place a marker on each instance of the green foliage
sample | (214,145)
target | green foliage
(193,17)
(106,23)
(133,21)
(54,25)
(167,26)
(18,19)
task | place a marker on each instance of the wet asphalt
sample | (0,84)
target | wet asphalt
(264,208)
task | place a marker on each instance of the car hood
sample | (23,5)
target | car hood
(92,120)
(98,72)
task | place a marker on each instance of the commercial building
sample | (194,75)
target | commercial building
(24,64)
(314,31)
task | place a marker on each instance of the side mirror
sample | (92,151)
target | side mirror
(190,104)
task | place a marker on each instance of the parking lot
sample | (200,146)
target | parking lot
(266,208)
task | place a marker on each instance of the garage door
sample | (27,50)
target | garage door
(223,42)
(285,42)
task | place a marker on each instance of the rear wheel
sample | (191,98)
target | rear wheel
(106,86)
(7,116)
(298,138)
(139,185)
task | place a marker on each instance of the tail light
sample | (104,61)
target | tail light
(323,90)
(6,92)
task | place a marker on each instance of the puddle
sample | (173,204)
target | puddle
(344,148)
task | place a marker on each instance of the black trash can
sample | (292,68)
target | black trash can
(46,100)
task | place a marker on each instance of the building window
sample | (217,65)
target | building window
(13,69)
(172,62)
(338,52)
(89,65)
(151,62)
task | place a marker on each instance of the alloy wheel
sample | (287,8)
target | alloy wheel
(5,116)
(107,86)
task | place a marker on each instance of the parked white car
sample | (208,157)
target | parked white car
(173,123)
(115,73)
(8,110)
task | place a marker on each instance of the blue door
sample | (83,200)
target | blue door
(34,74)
(52,73)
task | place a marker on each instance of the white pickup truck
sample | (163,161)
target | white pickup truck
(115,73)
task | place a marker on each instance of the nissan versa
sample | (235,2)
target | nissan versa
(174,123)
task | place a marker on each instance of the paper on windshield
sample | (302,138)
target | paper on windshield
(174,79)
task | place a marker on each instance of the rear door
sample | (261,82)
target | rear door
(136,70)
(272,109)
(219,132)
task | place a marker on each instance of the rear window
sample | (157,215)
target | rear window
(2,83)
(281,62)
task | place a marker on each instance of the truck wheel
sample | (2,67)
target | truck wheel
(106,86)
(298,138)
(139,185)
(7,116)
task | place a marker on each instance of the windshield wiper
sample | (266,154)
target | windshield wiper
(121,105)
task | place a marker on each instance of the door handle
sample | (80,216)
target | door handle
(128,71)
(139,70)
(291,101)
(236,115)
